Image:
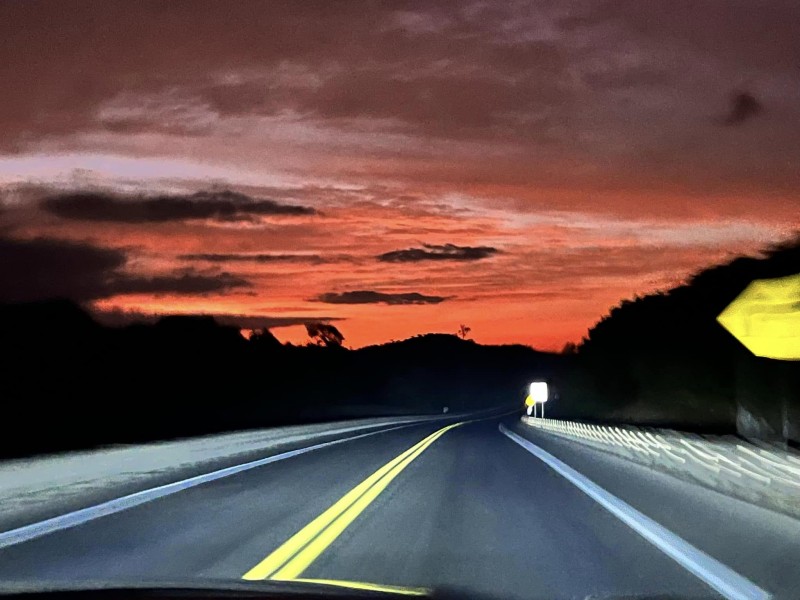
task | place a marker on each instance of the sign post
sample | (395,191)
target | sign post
(538,394)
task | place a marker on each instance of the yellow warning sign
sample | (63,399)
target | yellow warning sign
(765,317)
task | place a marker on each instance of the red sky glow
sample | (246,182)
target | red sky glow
(394,167)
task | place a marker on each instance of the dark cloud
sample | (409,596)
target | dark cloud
(258,322)
(220,206)
(453,70)
(372,297)
(118,318)
(439,105)
(438,252)
(744,106)
(183,282)
(255,258)
(45,268)
(581,78)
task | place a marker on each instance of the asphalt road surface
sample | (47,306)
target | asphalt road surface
(426,506)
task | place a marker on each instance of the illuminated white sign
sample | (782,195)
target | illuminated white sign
(539,391)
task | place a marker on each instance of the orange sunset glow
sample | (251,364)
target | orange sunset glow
(516,167)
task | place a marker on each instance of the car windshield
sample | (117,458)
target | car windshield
(400,297)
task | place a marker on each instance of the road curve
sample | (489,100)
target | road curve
(425,506)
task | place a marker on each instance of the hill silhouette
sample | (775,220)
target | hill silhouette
(69,382)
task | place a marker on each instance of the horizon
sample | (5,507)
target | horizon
(301,337)
(520,169)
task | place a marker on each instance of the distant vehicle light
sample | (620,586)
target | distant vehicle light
(539,392)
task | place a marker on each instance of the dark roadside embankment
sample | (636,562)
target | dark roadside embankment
(663,360)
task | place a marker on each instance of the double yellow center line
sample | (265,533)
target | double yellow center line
(296,554)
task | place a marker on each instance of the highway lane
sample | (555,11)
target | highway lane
(482,514)
(471,510)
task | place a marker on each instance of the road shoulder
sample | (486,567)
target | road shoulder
(756,542)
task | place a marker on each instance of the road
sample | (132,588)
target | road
(468,509)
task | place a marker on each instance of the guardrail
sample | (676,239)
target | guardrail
(761,473)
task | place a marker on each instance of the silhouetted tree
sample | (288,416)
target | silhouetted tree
(325,334)
(570,348)
(263,339)
(463,331)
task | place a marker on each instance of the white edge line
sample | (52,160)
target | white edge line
(78,517)
(720,577)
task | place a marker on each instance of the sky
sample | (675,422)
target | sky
(393,168)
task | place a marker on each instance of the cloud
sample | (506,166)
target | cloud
(47,268)
(744,106)
(372,297)
(255,258)
(219,206)
(438,252)
(43,268)
(118,318)
(467,92)
(270,322)
(188,282)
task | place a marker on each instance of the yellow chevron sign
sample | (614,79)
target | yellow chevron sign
(765,317)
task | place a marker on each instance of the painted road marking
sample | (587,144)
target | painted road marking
(720,577)
(78,517)
(295,555)
(372,587)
